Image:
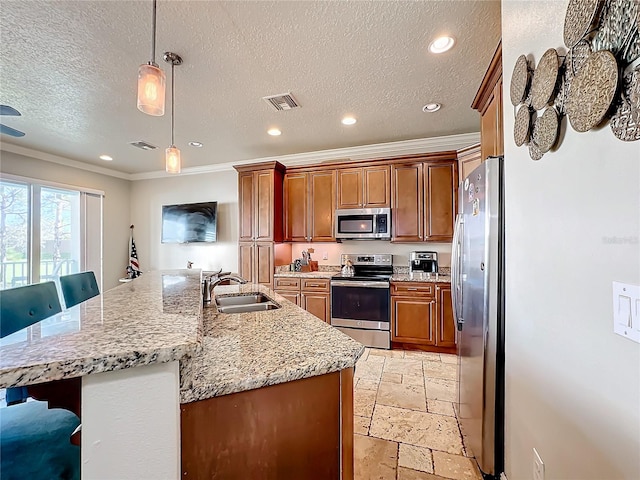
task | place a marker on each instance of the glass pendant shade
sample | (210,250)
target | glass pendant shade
(172,159)
(151,88)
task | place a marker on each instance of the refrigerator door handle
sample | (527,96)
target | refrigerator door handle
(456,259)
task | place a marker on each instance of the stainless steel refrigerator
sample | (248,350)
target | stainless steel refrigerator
(477,269)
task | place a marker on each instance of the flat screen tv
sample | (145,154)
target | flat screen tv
(189,223)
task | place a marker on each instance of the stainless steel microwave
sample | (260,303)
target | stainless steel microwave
(363,224)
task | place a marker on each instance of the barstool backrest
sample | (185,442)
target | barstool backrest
(24,306)
(78,287)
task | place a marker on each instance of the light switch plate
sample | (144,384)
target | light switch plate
(626,310)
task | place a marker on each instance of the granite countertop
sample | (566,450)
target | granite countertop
(243,351)
(417,277)
(305,274)
(155,318)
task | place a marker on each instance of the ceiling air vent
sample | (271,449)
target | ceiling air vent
(284,101)
(143,145)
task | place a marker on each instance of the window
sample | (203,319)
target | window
(47,230)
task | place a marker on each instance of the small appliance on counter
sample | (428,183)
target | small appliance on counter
(423,264)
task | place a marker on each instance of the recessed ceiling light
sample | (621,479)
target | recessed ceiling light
(196,144)
(441,44)
(431,107)
(274,132)
(106,158)
(348,121)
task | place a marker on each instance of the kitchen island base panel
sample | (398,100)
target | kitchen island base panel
(299,429)
(130,423)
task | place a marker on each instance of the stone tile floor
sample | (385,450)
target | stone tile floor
(405,423)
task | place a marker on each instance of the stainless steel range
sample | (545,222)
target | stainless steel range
(360,299)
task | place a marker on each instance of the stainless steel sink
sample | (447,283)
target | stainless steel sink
(245,303)
(252,307)
(241,300)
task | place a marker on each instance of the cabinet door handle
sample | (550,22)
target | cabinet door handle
(413,289)
(314,285)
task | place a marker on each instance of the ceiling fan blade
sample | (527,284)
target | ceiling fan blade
(7,110)
(10,131)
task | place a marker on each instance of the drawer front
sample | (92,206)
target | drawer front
(315,285)
(413,289)
(286,283)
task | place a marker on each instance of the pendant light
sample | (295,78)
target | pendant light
(151,80)
(172,154)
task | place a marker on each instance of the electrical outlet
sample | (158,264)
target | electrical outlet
(538,466)
(325,255)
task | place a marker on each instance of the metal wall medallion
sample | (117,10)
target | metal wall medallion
(618,31)
(625,123)
(577,57)
(522,125)
(592,91)
(579,20)
(534,152)
(545,131)
(545,77)
(519,81)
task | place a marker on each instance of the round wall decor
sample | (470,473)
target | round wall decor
(534,152)
(617,31)
(545,131)
(592,91)
(579,19)
(543,85)
(519,81)
(625,123)
(522,125)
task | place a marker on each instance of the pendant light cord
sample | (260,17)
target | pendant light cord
(173,89)
(153,39)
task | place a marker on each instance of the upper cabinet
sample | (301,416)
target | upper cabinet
(260,202)
(488,102)
(309,205)
(424,199)
(364,187)
(468,159)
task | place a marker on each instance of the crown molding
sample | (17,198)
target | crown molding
(48,157)
(363,152)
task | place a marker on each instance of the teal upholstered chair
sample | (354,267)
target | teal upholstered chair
(34,441)
(78,287)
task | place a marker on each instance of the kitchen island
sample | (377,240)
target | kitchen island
(146,346)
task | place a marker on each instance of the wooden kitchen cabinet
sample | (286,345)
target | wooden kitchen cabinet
(260,201)
(413,313)
(468,159)
(422,316)
(257,262)
(364,187)
(311,294)
(424,201)
(488,101)
(309,206)
(445,326)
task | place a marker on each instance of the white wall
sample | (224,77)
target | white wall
(147,198)
(115,206)
(572,385)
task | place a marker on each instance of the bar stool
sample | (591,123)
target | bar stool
(78,287)
(34,440)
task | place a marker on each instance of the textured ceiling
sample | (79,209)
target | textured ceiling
(71,69)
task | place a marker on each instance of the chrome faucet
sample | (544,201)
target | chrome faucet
(215,279)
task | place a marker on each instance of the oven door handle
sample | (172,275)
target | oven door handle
(356,283)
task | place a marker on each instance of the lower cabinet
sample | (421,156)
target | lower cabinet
(256,260)
(311,294)
(446,327)
(421,315)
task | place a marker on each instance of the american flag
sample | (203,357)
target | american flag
(134,266)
